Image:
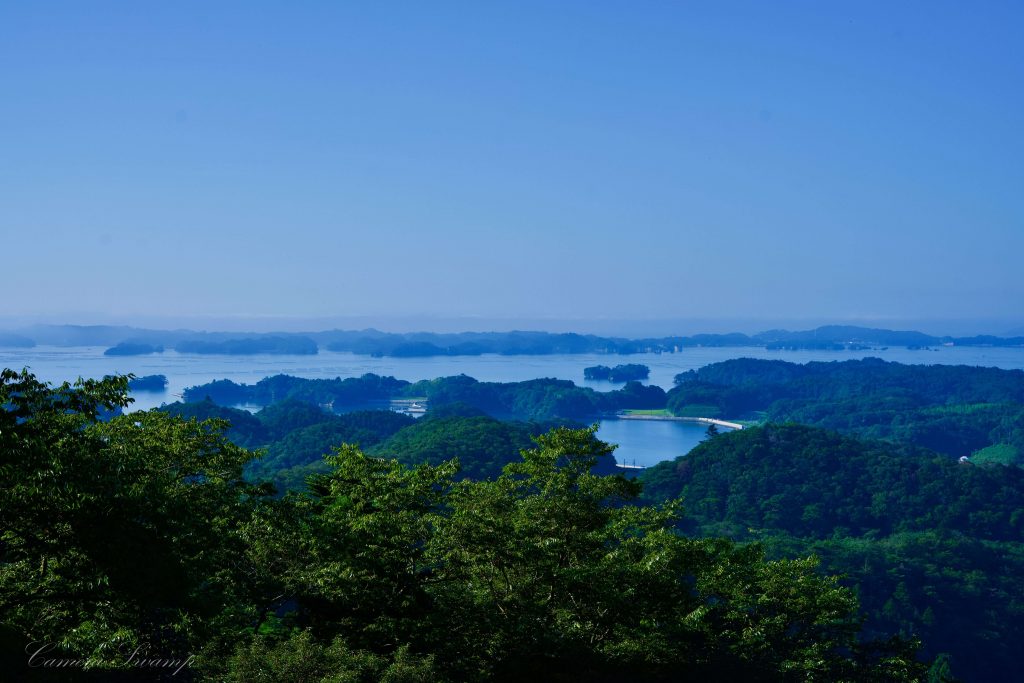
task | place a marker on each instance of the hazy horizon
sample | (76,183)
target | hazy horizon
(629,328)
(581,163)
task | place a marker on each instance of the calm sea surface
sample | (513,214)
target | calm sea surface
(645,442)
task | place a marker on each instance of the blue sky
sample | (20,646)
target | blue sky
(790,160)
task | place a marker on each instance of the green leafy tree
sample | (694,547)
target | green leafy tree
(116,534)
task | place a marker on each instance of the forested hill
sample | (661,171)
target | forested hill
(482,445)
(955,410)
(813,482)
(295,436)
(933,546)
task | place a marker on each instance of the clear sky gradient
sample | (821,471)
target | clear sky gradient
(659,160)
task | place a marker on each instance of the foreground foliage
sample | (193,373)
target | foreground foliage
(141,532)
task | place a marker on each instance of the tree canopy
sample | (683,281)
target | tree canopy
(139,531)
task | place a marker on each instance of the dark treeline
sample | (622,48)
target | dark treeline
(956,410)
(538,399)
(341,393)
(139,533)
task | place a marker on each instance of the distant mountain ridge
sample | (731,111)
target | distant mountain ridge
(425,344)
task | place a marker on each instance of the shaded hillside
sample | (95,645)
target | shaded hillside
(812,482)
(932,546)
(294,435)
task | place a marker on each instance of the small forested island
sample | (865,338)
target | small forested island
(148,383)
(249,346)
(620,373)
(380,570)
(128,348)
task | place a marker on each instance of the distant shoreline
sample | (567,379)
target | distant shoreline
(123,340)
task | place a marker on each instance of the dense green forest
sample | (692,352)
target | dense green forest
(133,547)
(932,545)
(955,410)
(294,437)
(481,444)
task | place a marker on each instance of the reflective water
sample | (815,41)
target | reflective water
(648,442)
